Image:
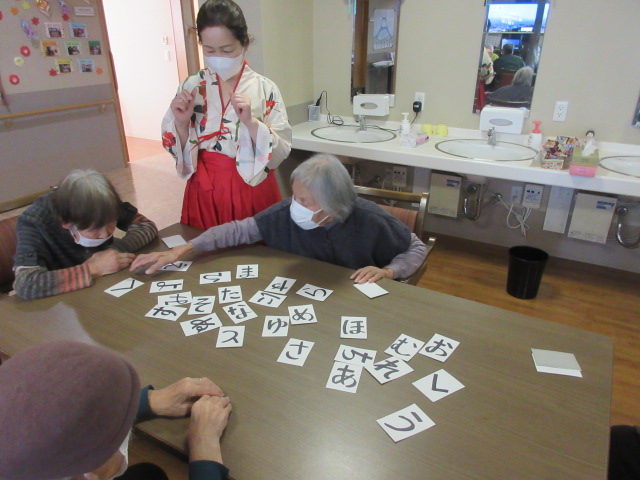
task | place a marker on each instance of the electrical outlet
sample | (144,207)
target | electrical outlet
(399,176)
(419,97)
(516,194)
(560,111)
(532,195)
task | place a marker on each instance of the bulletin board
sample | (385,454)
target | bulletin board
(51,45)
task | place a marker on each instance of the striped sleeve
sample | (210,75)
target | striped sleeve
(38,282)
(139,233)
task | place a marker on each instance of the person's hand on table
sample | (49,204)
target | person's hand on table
(371,274)
(177,399)
(209,417)
(154,261)
(108,261)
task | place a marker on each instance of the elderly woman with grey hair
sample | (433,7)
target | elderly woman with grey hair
(521,90)
(324,220)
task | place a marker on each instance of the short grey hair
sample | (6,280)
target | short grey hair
(86,199)
(327,178)
(524,76)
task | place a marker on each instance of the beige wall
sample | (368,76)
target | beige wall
(589,58)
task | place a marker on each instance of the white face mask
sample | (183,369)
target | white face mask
(303,217)
(87,242)
(225,67)
(124,450)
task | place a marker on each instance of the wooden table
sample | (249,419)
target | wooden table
(509,422)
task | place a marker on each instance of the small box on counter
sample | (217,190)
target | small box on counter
(558,153)
(584,165)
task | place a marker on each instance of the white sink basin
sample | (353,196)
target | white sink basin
(478,149)
(352,134)
(627,165)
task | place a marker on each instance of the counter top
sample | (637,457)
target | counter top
(427,156)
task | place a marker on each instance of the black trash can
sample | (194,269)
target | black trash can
(526,265)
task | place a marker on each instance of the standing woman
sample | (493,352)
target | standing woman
(227,127)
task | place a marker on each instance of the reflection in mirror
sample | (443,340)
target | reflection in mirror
(512,39)
(636,115)
(375,42)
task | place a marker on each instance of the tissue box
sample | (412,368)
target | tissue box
(584,165)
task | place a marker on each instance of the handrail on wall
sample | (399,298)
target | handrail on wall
(103,105)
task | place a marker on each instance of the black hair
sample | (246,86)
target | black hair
(225,13)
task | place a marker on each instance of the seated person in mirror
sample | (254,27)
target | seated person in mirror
(324,220)
(508,60)
(521,90)
(65,239)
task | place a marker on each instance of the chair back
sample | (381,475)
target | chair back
(8,244)
(509,103)
(505,77)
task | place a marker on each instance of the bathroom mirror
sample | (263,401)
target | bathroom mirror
(375,43)
(514,29)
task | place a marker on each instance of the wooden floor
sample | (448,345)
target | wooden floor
(592,298)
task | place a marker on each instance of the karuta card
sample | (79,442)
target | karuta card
(302,314)
(174,241)
(267,299)
(344,377)
(295,352)
(355,356)
(405,347)
(314,293)
(280,285)
(201,324)
(405,423)
(229,294)
(215,277)
(125,286)
(164,286)
(246,271)
(178,298)
(166,312)
(371,289)
(239,312)
(353,327)
(560,363)
(230,337)
(439,348)
(179,266)
(202,305)
(388,369)
(275,326)
(438,385)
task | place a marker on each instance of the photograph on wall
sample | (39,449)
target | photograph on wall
(86,65)
(50,48)
(94,47)
(78,30)
(63,65)
(73,48)
(54,30)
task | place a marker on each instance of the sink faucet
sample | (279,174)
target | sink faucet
(362,120)
(491,136)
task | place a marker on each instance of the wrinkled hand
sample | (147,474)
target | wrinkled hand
(154,261)
(242,105)
(209,417)
(371,274)
(177,399)
(108,261)
(182,106)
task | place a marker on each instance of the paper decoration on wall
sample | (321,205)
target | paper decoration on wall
(99,71)
(18,61)
(14,11)
(53,72)
(50,48)
(78,30)
(25,5)
(44,7)
(86,65)
(0,14)
(35,21)
(64,8)
(25,51)
(95,48)
(63,65)
(84,11)
(14,79)
(30,32)
(54,30)
(73,48)
(383,28)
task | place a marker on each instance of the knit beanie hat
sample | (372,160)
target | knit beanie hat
(65,408)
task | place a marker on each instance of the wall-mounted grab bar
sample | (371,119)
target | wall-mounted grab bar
(621,212)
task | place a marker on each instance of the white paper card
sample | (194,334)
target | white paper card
(275,326)
(591,217)
(389,369)
(404,347)
(174,241)
(314,293)
(295,352)
(302,314)
(164,286)
(353,327)
(239,312)
(230,337)
(215,277)
(560,363)
(229,294)
(371,289)
(202,305)
(438,385)
(267,299)
(405,423)
(179,298)
(344,377)
(179,266)
(125,286)
(439,348)
(246,271)
(280,285)
(166,312)
(355,356)
(201,324)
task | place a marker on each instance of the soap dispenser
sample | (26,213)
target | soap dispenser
(535,137)
(405,126)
